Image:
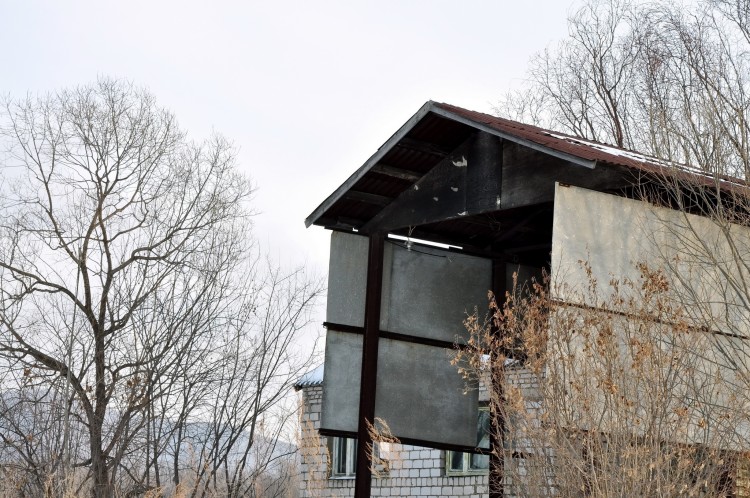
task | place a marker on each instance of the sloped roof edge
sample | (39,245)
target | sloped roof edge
(576,150)
(450,112)
(372,161)
(312,378)
(445,111)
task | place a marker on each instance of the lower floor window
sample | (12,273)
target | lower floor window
(343,451)
(464,463)
(461,463)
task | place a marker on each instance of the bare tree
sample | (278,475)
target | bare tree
(121,248)
(655,77)
(239,443)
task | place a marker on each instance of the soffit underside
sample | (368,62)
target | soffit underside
(402,163)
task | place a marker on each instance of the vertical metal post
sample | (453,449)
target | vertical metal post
(363,481)
(497,369)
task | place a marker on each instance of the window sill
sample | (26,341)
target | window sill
(468,473)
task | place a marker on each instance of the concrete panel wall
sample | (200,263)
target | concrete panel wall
(703,263)
(427,292)
(341,383)
(600,229)
(707,264)
(347,279)
(420,394)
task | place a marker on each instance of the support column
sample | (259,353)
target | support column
(363,481)
(497,369)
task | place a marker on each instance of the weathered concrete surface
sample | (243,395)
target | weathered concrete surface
(420,394)
(347,279)
(703,261)
(341,382)
(427,292)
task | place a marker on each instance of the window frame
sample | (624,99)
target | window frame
(350,456)
(466,469)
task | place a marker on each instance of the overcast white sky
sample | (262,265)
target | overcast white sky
(307,90)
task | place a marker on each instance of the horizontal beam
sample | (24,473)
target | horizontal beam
(341,222)
(425,341)
(533,247)
(379,200)
(393,172)
(413,442)
(421,146)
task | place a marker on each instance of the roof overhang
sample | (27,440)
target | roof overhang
(446,112)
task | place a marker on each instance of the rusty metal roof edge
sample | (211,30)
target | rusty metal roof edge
(372,161)
(587,163)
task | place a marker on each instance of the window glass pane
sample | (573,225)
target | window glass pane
(459,462)
(483,428)
(456,461)
(344,455)
(351,457)
(340,455)
(480,462)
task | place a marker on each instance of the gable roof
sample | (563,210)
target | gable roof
(434,131)
(554,143)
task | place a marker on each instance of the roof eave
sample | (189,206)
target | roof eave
(428,107)
(372,161)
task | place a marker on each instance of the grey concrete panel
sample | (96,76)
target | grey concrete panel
(613,234)
(702,263)
(596,228)
(420,394)
(682,368)
(343,361)
(347,279)
(427,292)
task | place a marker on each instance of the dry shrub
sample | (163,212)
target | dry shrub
(384,451)
(621,396)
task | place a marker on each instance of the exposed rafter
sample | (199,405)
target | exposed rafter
(426,147)
(356,195)
(393,172)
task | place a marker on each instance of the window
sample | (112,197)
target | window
(461,463)
(343,451)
